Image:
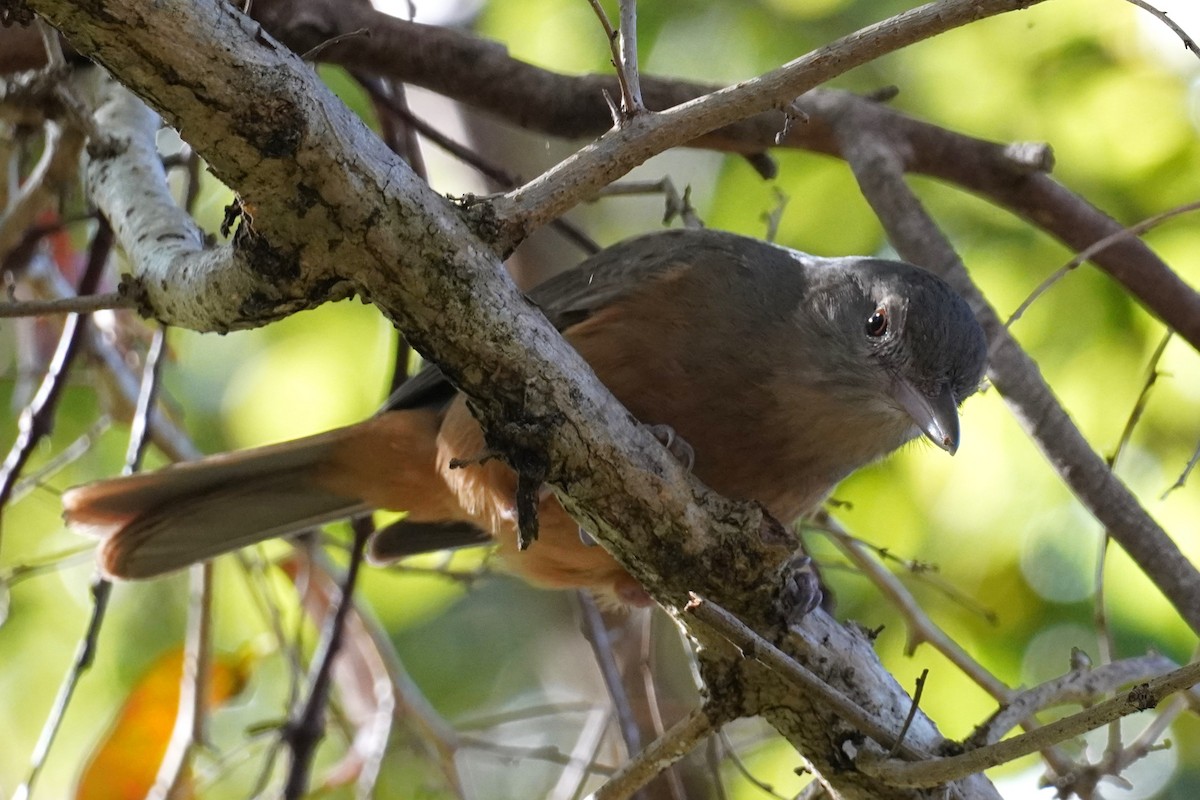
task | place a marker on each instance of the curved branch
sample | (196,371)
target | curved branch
(453,63)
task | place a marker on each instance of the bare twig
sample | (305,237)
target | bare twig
(312,53)
(1181,481)
(1082,685)
(68,455)
(753,646)
(658,755)
(602,161)
(677,205)
(628,65)
(912,712)
(307,727)
(37,418)
(83,304)
(920,627)
(191,713)
(619,51)
(597,636)
(1098,247)
(934,772)
(85,654)
(1188,42)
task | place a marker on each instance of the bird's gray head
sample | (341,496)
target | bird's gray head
(899,339)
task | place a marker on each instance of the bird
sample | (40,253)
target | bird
(774,373)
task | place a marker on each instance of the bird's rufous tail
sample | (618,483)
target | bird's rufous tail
(157,522)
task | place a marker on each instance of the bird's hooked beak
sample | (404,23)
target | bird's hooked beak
(937,417)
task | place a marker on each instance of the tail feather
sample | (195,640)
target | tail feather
(162,521)
(409,537)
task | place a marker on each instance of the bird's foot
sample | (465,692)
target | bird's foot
(676,445)
(801,590)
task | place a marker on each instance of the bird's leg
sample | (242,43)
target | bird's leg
(801,591)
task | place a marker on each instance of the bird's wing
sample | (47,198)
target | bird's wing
(574,295)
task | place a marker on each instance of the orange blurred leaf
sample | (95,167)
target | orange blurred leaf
(125,762)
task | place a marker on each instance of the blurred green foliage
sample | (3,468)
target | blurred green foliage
(1093,79)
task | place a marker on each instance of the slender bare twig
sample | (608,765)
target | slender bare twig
(754,646)
(934,772)
(744,771)
(37,418)
(616,50)
(543,198)
(1095,248)
(68,455)
(1100,610)
(598,638)
(628,65)
(307,727)
(312,53)
(85,654)
(658,756)
(586,752)
(1181,481)
(677,205)
(912,712)
(191,712)
(1188,42)
(920,627)
(1083,685)
(83,304)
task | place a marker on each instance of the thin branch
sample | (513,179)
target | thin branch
(82,304)
(673,745)
(307,727)
(1098,247)
(85,654)
(912,712)
(605,160)
(37,418)
(1181,481)
(1083,685)
(191,711)
(68,455)
(934,772)
(312,53)
(627,33)
(622,44)
(920,627)
(596,633)
(754,646)
(1188,42)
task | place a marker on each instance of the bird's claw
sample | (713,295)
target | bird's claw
(801,590)
(676,445)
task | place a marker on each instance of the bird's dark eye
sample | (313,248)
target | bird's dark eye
(877,323)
